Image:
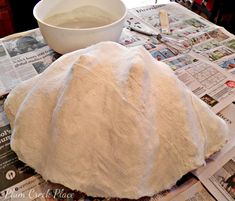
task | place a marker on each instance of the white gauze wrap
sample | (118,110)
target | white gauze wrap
(111,122)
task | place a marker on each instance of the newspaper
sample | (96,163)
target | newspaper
(218,176)
(200,53)
(23,56)
(214,175)
(206,63)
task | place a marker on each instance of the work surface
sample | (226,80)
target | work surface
(202,55)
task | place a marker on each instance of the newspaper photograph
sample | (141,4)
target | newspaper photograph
(224,180)
(218,53)
(227,64)
(218,34)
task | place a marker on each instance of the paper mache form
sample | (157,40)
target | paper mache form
(111,121)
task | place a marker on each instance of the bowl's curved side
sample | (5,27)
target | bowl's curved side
(64,40)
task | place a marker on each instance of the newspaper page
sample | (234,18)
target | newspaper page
(205,63)
(218,176)
(23,56)
(217,160)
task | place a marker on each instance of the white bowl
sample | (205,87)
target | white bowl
(65,40)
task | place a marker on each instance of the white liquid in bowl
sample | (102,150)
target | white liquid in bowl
(82,17)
